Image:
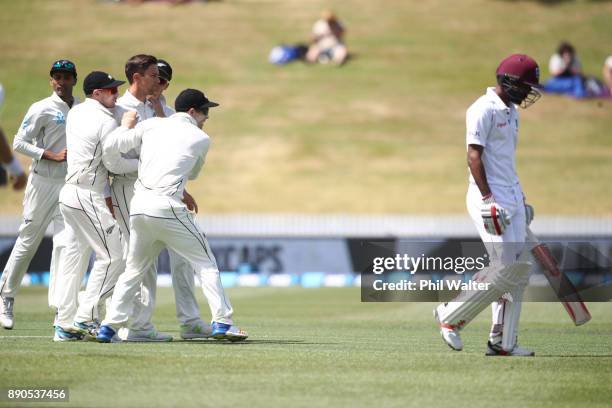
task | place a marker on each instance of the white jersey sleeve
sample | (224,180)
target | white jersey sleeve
(197,167)
(168,111)
(123,140)
(112,158)
(478,125)
(30,129)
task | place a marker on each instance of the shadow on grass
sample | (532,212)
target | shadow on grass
(250,342)
(554,2)
(574,356)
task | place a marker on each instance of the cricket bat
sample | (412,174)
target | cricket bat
(562,286)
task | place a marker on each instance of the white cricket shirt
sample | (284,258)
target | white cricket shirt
(88,125)
(493,125)
(168,111)
(172,151)
(44,128)
(129,102)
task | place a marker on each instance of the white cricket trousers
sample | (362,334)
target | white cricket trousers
(183,278)
(40,207)
(93,228)
(506,248)
(149,235)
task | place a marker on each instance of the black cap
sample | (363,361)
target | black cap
(63,65)
(165,70)
(99,80)
(192,98)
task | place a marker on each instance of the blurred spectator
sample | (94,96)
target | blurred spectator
(565,63)
(607,73)
(327,40)
(567,77)
(566,72)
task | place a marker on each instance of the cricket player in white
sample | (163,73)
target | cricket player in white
(144,97)
(497,205)
(172,150)
(86,212)
(42,136)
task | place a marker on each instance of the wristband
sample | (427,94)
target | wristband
(14,167)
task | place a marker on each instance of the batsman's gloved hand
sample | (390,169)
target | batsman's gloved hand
(494,216)
(529,213)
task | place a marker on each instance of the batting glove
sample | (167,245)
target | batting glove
(494,216)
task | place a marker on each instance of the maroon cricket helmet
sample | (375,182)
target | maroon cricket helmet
(522,68)
(519,77)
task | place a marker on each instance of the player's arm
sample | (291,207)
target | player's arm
(126,137)
(474,160)
(190,202)
(188,199)
(197,167)
(195,171)
(30,128)
(495,218)
(121,140)
(114,161)
(11,164)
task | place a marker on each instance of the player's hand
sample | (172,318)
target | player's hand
(494,216)
(129,119)
(156,105)
(56,157)
(190,202)
(529,213)
(19,181)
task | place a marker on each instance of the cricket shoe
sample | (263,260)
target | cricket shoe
(497,350)
(144,336)
(197,330)
(450,335)
(88,329)
(66,335)
(6,312)
(222,331)
(106,334)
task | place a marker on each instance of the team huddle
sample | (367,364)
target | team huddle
(110,173)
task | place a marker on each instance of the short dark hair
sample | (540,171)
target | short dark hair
(138,63)
(564,47)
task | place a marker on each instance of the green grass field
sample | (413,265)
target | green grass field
(318,348)
(383,134)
